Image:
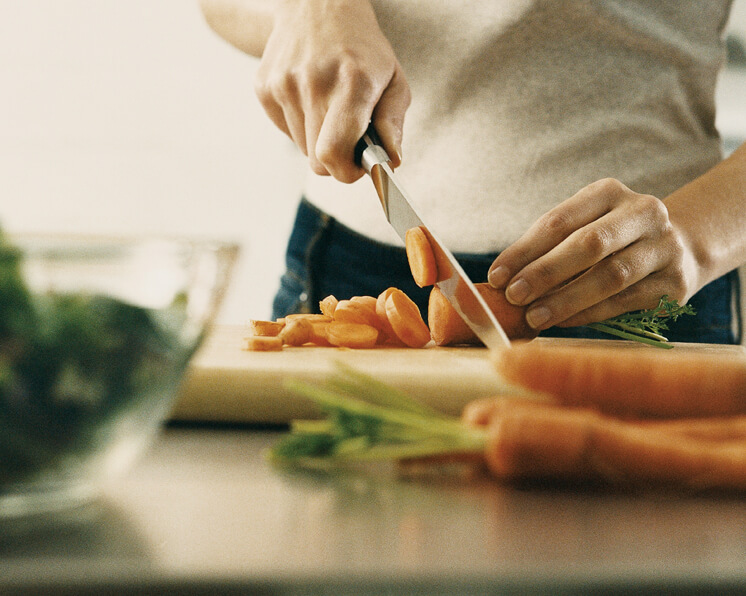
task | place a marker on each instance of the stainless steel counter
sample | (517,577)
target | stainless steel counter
(203,513)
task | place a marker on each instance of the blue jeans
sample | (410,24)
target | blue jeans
(324,257)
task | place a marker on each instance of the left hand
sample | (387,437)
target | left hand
(603,252)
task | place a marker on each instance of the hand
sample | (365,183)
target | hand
(326,71)
(603,252)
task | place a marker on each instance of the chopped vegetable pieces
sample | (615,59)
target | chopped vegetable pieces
(420,257)
(360,322)
(351,335)
(406,320)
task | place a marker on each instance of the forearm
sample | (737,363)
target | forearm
(710,212)
(245,24)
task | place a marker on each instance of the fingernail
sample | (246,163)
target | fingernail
(398,155)
(518,291)
(536,317)
(498,277)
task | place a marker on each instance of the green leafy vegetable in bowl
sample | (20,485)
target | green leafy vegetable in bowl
(87,374)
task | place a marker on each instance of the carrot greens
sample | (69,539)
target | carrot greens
(646,325)
(367,420)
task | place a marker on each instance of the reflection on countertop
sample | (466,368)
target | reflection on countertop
(205,513)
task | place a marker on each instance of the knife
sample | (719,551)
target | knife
(454,283)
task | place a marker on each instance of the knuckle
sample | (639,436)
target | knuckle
(653,208)
(354,78)
(542,274)
(329,153)
(595,241)
(677,286)
(279,87)
(617,274)
(610,187)
(556,223)
(318,168)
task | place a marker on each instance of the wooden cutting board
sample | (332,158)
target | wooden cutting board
(227,383)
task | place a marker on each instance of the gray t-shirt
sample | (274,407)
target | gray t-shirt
(517,104)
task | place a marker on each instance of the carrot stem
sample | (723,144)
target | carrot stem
(653,341)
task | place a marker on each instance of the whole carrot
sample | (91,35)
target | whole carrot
(540,441)
(448,328)
(630,381)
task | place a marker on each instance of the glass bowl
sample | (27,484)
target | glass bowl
(95,337)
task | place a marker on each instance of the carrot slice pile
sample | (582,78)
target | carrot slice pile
(406,320)
(360,322)
(351,335)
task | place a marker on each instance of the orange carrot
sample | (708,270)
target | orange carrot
(351,335)
(538,441)
(356,311)
(722,429)
(263,343)
(630,380)
(268,328)
(327,305)
(311,317)
(448,328)
(366,301)
(388,335)
(319,332)
(296,332)
(420,257)
(406,320)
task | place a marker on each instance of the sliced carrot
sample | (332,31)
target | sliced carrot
(327,305)
(420,257)
(356,311)
(633,381)
(267,328)
(406,320)
(387,335)
(448,328)
(263,343)
(296,332)
(319,334)
(311,317)
(367,301)
(351,335)
(545,441)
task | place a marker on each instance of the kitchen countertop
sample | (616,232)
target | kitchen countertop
(204,513)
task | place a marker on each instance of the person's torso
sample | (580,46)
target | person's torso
(519,104)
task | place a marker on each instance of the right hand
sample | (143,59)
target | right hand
(327,71)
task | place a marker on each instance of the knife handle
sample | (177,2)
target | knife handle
(369,150)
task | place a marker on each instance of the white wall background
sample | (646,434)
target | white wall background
(132,116)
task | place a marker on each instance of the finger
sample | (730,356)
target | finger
(343,126)
(607,278)
(277,116)
(388,116)
(314,122)
(295,119)
(644,294)
(587,205)
(580,251)
(280,99)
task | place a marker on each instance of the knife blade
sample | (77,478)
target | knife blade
(400,213)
